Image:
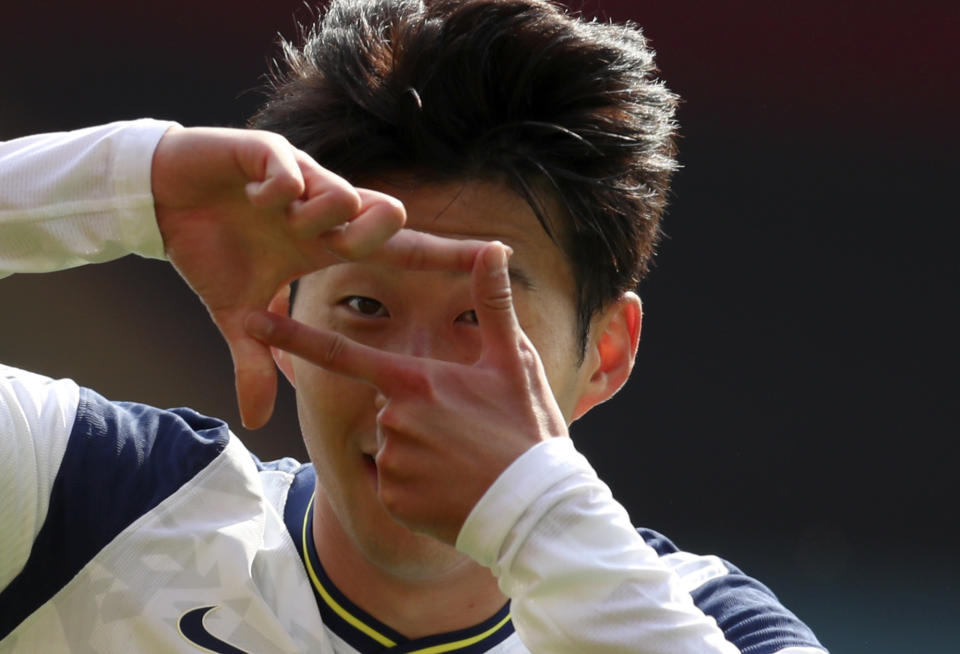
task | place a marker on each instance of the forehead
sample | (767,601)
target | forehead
(541,274)
(489,211)
(479,207)
(481,210)
(545,294)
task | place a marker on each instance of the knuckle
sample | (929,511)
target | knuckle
(286,184)
(389,418)
(500,300)
(343,200)
(252,376)
(333,349)
(416,257)
(339,244)
(527,358)
(272,139)
(397,212)
(419,385)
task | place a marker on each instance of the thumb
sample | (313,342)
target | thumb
(256,379)
(493,302)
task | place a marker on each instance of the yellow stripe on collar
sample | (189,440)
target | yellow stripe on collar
(333,604)
(466,642)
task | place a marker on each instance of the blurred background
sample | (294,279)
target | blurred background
(795,402)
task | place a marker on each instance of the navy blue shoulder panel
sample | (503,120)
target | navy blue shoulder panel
(120,462)
(298,498)
(749,614)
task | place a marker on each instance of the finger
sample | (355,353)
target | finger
(410,250)
(380,217)
(255,376)
(414,250)
(389,373)
(329,200)
(493,303)
(274,173)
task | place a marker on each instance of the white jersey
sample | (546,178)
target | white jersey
(125,528)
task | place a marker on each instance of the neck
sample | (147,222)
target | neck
(433,590)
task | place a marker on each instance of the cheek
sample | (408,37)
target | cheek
(331,408)
(552,328)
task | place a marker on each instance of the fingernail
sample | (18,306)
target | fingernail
(259,324)
(253,189)
(496,258)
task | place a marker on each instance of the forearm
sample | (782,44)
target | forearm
(579,575)
(66,199)
(78,197)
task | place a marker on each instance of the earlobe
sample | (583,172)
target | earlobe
(281,304)
(615,337)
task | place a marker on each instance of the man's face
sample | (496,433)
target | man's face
(423,314)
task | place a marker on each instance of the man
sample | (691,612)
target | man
(436,367)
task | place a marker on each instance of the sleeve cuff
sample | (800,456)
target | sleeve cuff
(511,495)
(137,219)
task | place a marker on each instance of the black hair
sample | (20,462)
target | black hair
(566,112)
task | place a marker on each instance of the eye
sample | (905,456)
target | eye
(366,306)
(469,317)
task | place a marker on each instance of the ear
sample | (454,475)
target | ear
(281,304)
(611,350)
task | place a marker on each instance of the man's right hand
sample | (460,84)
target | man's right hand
(242,213)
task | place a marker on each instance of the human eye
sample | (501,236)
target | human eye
(366,306)
(469,316)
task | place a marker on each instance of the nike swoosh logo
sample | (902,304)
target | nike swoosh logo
(191,628)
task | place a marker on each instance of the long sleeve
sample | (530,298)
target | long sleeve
(65,199)
(582,579)
(78,197)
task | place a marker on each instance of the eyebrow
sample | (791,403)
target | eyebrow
(517,276)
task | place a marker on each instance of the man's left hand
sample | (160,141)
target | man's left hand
(446,430)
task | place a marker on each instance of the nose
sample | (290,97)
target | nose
(439,341)
(424,341)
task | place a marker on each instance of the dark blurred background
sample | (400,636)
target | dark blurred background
(795,403)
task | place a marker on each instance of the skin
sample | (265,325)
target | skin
(242,212)
(408,416)
(446,378)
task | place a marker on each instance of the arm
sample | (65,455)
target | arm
(78,197)
(209,199)
(478,456)
(65,199)
(579,576)
(557,541)
(447,432)
(240,213)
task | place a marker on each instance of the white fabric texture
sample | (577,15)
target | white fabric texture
(36,415)
(65,199)
(216,541)
(579,575)
(78,197)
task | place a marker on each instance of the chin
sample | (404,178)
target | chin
(359,522)
(396,550)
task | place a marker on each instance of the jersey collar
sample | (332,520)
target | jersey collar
(354,625)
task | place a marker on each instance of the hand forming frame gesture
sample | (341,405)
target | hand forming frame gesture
(242,213)
(445,430)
